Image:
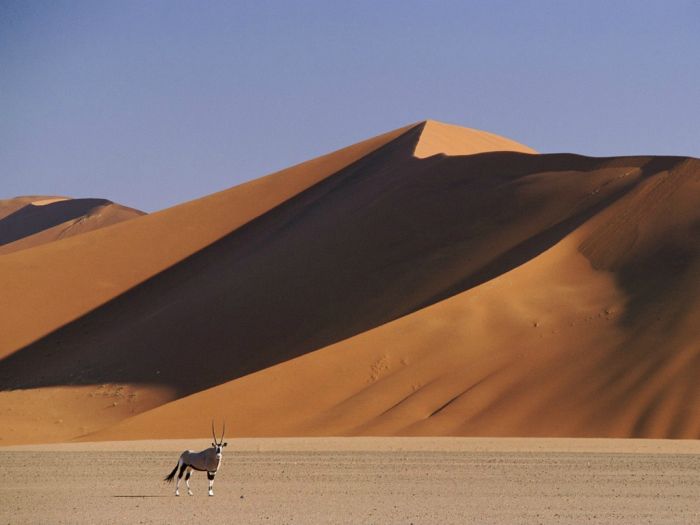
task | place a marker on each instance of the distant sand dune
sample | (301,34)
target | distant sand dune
(26,222)
(421,283)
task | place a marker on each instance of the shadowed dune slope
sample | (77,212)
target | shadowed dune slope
(9,206)
(26,222)
(500,293)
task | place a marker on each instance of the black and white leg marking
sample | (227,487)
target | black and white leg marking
(210,477)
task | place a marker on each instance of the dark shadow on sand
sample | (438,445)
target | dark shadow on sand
(31,219)
(143,496)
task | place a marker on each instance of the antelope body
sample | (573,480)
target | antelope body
(208,460)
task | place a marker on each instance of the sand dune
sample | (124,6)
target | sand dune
(26,222)
(9,206)
(432,281)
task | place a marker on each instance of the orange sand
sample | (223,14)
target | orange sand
(434,280)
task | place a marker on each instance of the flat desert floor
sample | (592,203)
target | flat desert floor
(359,480)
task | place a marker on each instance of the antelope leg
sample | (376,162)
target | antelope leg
(179,477)
(210,477)
(187,481)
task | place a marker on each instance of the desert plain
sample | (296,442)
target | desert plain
(435,325)
(361,480)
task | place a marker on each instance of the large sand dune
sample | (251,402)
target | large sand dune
(431,281)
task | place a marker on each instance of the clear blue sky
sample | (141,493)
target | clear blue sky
(152,103)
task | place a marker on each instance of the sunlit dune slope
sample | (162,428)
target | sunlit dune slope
(438,137)
(49,286)
(500,293)
(59,282)
(26,222)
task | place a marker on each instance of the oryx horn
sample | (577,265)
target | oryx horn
(213,433)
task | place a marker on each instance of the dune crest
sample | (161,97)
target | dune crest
(447,139)
(50,200)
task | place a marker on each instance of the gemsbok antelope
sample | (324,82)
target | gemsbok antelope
(208,461)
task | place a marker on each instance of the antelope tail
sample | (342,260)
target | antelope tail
(171,476)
